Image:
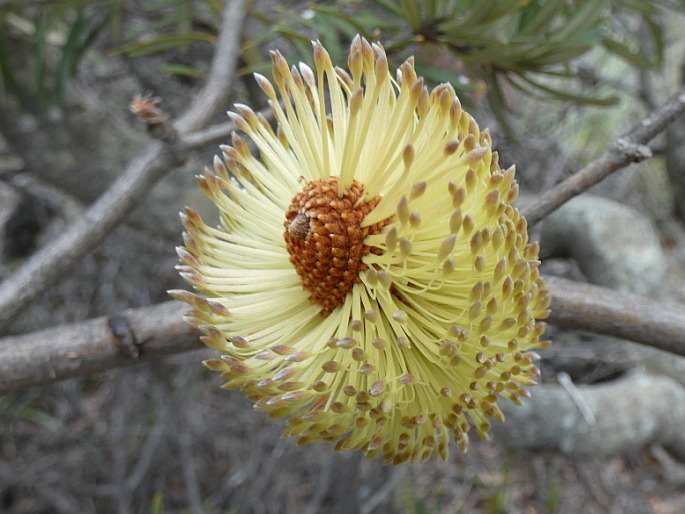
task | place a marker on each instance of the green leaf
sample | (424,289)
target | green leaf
(181,70)
(40,418)
(81,38)
(538,17)
(545,56)
(438,74)
(38,60)
(390,7)
(170,20)
(644,7)
(410,12)
(500,9)
(563,94)
(301,43)
(328,35)
(656,32)
(292,35)
(157,503)
(430,9)
(70,55)
(185,22)
(165,42)
(498,104)
(625,53)
(362,22)
(589,14)
(638,56)
(7,75)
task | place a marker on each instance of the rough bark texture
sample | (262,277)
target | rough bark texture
(131,337)
(626,315)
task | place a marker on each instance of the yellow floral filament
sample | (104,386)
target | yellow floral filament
(439,319)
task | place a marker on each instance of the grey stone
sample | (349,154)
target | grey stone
(613,244)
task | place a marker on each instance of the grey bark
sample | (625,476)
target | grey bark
(131,337)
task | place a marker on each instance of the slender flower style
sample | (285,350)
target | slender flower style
(370,279)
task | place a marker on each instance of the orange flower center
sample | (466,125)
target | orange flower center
(325,240)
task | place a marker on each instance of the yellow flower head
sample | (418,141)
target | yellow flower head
(370,279)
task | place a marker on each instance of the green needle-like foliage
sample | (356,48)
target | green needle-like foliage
(531,45)
(72,26)
(488,46)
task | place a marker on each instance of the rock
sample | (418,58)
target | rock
(614,245)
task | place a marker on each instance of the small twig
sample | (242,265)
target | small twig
(384,491)
(628,149)
(672,471)
(187,460)
(56,257)
(565,381)
(148,454)
(157,159)
(122,409)
(625,315)
(219,133)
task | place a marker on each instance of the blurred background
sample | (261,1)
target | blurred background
(556,81)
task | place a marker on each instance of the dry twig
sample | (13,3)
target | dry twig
(157,159)
(625,315)
(137,335)
(626,150)
(218,133)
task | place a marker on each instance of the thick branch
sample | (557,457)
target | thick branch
(91,346)
(626,150)
(108,211)
(99,344)
(624,315)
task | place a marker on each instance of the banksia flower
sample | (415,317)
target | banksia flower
(370,280)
